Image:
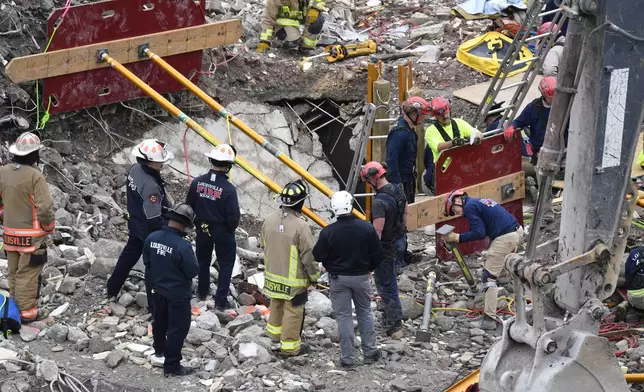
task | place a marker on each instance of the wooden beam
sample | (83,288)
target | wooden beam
(430,211)
(83,58)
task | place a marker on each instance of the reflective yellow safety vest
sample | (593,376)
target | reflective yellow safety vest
(288,258)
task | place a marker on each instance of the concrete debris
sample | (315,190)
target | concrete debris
(114,358)
(198,336)
(47,370)
(58,333)
(28,333)
(208,321)
(318,305)
(253,352)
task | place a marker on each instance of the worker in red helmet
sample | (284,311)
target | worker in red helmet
(534,118)
(389,218)
(445,132)
(550,66)
(486,218)
(402,145)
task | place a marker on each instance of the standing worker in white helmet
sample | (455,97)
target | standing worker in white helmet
(214,200)
(27,214)
(146,202)
(350,250)
(290,268)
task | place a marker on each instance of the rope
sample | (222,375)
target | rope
(41,124)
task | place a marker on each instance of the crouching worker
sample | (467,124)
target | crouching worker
(27,213)
(171,264)
(350,250)
(634,275)
(487,218)
(289,268)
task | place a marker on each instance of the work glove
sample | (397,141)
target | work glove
(262,46)
(458,142)
(509,133)
(452,237)
(477,140)
(312,15)
(528,149)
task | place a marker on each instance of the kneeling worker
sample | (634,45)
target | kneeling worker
(350,249)
(487,218)
(290,268)
(171,265)
(285,17)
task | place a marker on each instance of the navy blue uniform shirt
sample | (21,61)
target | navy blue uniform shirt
(214,200)
(170,263)
(534,115)
(402,147)
(487,218)
(146,201)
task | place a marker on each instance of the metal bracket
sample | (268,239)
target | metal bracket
(99,55)
(507,191)
(142,49)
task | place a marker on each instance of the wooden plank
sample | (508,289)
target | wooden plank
(83,58)
(475,93)
(430,210)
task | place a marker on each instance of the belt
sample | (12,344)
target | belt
(512,230)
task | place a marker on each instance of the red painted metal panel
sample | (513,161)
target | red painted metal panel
(112,20)
(471,165)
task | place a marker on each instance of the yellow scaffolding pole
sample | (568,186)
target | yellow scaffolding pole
(257,138)
(158,98)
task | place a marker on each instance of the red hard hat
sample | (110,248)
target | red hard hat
(416,105)
(547,86)
(439,106)
(449,201)
(373,170)
(546,27)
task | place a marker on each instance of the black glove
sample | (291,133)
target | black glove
(458,142)
(477,140)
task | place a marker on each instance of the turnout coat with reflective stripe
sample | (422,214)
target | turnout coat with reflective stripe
(288,255)
(26,207)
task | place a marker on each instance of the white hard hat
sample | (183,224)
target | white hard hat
(153,151)
(25,144)
(222,153)
(341,203)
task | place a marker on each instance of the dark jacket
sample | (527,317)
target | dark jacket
(390,203)
(170,263)
(214,200)
(349,246)
(402,148)
(535,116)
(487,218)
(428,160)
(495,125)
(146,201)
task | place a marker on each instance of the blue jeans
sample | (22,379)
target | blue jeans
(386,283)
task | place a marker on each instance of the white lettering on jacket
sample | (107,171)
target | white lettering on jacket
(162,250)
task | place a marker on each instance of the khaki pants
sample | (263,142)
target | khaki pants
(285,325)
(24,275)
(500,248)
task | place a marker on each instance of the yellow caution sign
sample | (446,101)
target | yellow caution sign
(486,52)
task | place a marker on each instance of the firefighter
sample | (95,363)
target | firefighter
(535,118)
(146,202)
(214,200)
(286,17)
(350,250)
(27,213)
(402,145)
(170,265)
(290,268)
(389,218)
(445,132)
(486,218)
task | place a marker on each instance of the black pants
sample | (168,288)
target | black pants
(170,328)
(409,187)
(226,249)
(128,259)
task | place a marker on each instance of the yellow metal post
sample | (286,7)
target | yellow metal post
(257,138)
(158,98)
(373,74)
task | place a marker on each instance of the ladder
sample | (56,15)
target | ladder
(363,131)
(531,21)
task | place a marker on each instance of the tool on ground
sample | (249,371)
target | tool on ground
(340,52)
(421,334)
(453,248)
(510,62)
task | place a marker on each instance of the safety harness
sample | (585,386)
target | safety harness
(393,196)
(444,135)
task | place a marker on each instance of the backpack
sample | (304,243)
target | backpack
(396,199)
(9,316)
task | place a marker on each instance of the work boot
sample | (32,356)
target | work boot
(485,323)
(183,371)
(33,314)
(304,349)
(375,357)
(306,51)
(396,332)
